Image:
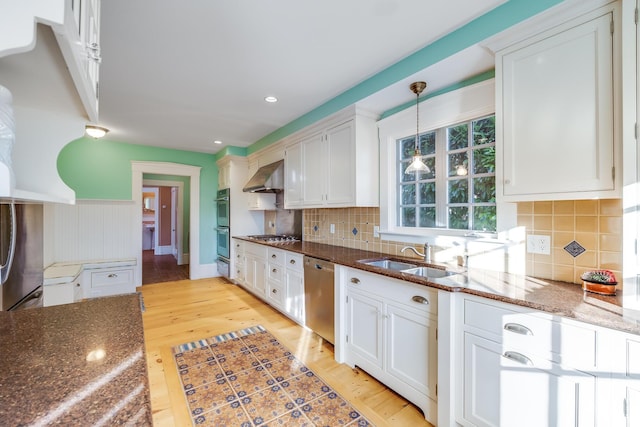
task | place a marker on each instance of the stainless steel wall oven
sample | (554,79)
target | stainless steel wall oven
(223,238)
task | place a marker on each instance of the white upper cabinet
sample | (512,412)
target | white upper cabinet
(76,26)
(49,62)
(334,164)
(555,108)
(293,176)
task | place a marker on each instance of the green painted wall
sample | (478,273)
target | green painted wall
(186,198)
(101,169)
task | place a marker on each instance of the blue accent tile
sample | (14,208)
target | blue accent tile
(574,248)
(354,231)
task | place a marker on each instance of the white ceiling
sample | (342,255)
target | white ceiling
(180,74)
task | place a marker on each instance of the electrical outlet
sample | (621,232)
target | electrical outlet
(376,231)
(332,228)
(539,244)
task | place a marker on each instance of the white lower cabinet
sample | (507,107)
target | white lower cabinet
(62,293)
(523,367)
(508,388)
(390,329)
(256,268)
(238,271)
(276,276)
(294,287)
(104,281)
(620,353)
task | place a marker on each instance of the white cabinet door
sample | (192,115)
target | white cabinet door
(364,328)
(224,175)
(504,388)
(412,349)
(260,276)
(294,295)
(340,176)
(314,165)
(293,176)
(557,117)
(63,293)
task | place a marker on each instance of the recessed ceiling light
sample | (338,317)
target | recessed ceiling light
(271,99)
(217,141)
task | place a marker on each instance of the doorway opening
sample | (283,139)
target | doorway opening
(187,252)
(163,259)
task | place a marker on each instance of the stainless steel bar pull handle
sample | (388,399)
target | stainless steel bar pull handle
(517,328)
(420,299)
(355,280)
(517,357)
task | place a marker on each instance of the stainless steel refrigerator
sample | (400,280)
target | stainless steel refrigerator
(21,255)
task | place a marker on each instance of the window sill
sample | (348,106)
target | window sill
(439,236)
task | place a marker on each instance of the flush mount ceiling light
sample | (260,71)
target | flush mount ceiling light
(417,165)
(217,141)
(271,99)
(95,131)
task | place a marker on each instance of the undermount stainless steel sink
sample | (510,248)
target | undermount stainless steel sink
(407,267)
(389,264)
(433,273)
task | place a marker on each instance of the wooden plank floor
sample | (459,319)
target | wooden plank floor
(184,311)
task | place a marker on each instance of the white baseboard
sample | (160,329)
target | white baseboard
(185,259)
(204,271)
(164,250)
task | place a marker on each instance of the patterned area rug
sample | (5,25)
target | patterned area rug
(247,378)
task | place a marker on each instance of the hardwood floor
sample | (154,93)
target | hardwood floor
(184,311)
(162,268)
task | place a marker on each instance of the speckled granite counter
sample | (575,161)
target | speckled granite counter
(560,298)
(75,365)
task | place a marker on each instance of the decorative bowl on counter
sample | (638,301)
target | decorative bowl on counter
(601,282)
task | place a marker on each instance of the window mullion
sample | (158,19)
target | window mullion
(441,178)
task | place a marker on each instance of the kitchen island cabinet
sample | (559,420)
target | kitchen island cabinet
(73,365)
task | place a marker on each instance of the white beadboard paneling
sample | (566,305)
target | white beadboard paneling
(93,229)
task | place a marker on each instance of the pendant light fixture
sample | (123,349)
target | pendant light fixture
(417,165)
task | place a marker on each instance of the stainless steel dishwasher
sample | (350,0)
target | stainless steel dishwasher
(319,297)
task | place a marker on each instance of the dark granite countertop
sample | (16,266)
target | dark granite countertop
(554,297)
(76,364)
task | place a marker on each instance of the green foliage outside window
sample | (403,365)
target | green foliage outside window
(469,151)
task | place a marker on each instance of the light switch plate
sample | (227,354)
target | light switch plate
(332,228)
(539,244)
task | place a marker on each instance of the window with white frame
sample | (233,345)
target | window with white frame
(459,190)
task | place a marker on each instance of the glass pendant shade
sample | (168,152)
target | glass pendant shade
(417,165)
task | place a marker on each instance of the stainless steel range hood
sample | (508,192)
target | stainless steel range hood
(268,179)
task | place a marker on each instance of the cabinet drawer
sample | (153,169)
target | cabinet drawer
(275,256)
(111,277)
(256,250)
(294,261)
(275,272)
(418,297)
(275,294)
(563,342)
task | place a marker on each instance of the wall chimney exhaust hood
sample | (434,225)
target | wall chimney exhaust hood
(268,179)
